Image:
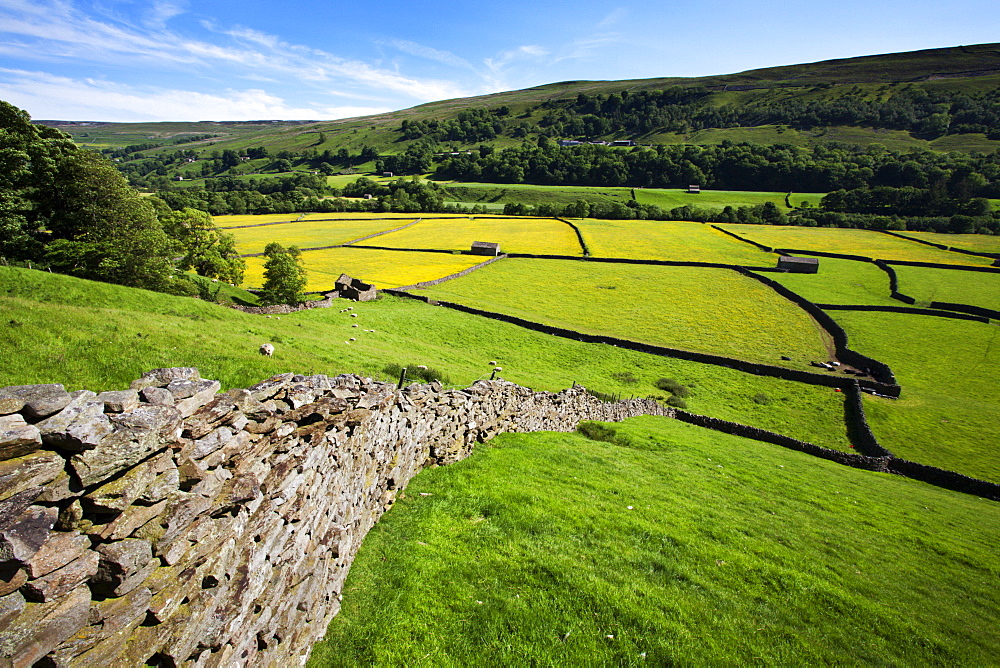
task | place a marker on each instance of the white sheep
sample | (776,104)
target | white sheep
(354,315)
(493,362)
(266,349)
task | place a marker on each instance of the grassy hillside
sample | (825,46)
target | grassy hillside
(968,69)
(101,337)
(678,546)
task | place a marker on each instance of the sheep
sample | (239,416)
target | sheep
(353,339)
(266,349)
(354,315)
(355,325)
(493,362)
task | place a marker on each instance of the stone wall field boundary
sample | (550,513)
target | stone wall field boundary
(796,375)
(953,249)
(169,524)
(885,464)
(965,308)
(906,309)
(878,370)
(767,249)
(464,272)
(579,235)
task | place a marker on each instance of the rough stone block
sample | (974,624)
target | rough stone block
(188,406)
(61,548)
(269,388)
(61,581)
(123,566)
(121,492)
(134,517)
(163,420)
(34,470)
(158,396)
(27,533)
(165,483)
(12,577)
(163,377)
(119,401)
(116,452)
(17,438)
(40,401)
(79,426)
(41,627)
(203,447)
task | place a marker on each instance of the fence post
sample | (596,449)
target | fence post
(402,378)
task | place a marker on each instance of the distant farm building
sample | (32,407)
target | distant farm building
(623,142)
(485,248)
(798,265)
(387,175)
(355,288)
(696,189)
(569,142)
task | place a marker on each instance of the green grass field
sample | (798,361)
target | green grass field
(681,547)
(709,310)
(927,284)
(979,243)
(100,337)
(515,235)
(947,414)
(867,243)
(657,240)
(843,282)
(386,269)
(719,199)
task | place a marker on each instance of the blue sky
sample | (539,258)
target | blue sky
(134,60)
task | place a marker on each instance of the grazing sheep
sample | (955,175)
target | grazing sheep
(493,362)
(353,339)
(354,315)
(355,325)
(266,349)
(422,367)
(499,368)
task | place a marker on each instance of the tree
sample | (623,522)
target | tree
(206,249)
(284,275)
(103,229)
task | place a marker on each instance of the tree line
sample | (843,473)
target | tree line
(70,209)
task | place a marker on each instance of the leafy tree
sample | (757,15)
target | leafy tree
(284,275)
(206,249)
(103,229)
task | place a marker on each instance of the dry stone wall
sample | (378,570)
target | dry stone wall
(171,524)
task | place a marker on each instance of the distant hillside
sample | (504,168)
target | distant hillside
(941,100)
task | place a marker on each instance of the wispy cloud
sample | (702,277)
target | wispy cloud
(430,53)
(53,30)
(63,98)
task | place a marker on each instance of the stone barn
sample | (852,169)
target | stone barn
(798,265)
(355,288)
(485,248)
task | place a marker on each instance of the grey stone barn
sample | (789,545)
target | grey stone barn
(355,288)
(798,265)
(485,248)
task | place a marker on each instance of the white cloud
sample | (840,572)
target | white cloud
(55,31)
(429,53)
(52,97)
